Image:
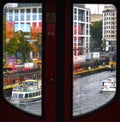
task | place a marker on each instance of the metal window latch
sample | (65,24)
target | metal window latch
(51,79)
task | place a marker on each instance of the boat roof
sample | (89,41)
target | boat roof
(113,79)
(25,92)
(31,80)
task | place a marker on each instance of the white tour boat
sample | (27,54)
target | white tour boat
(28,91)
(109,84)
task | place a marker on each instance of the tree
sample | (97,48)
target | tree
(19,35)
(12,47)
(34,48)
(103,44)
(96,34)
(39,43)
(24,46)
(92,44)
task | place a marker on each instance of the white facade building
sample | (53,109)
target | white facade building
(10,5)
(109,27)
(25,16)
(81,30)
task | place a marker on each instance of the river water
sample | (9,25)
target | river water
(33,108)
(86,95)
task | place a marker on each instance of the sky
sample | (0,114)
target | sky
(94,8)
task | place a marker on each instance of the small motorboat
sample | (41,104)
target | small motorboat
(28,91)
(109,84)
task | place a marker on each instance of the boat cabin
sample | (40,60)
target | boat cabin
(109,84)
(30,90)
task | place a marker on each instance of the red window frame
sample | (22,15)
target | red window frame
(58,107)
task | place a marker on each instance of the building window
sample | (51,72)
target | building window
(16,27)
(75,11)
(28,11)
(75,38)
(10,18)
(40,10)
(16,15)
(10,12)
(22,17)
(22,11)
(27,27)
(22,14)
(34,10)
(80,15)
(16,18)
(28,17)
(75,17)
(16,11)
(40,16)
(34,17)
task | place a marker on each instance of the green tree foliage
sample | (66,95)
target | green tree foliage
(19,35)
(24,49)
(24,46)
(39,43)
(18,44)
(96,35)
(103,44)
(12,47)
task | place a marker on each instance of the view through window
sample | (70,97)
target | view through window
(94,56)
(22,56)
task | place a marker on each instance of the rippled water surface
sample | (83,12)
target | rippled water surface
(87,95)
(31,107)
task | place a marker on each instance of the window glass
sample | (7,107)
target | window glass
(28,10)
(28,15)
(40,10)
(26,95)
(22,57)
(94,56)
(20,95)
(34,17)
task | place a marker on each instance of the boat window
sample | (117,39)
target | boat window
(20,95)
(30,94)
(34,94)
(26,95)
(14,95)
(38,93)
(94,56)
(22,52)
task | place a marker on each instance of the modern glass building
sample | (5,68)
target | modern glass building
(26,17)
(81,29)
(28,4)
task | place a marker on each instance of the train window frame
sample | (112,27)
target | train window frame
(61,86)
(71,89)
(42,115)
